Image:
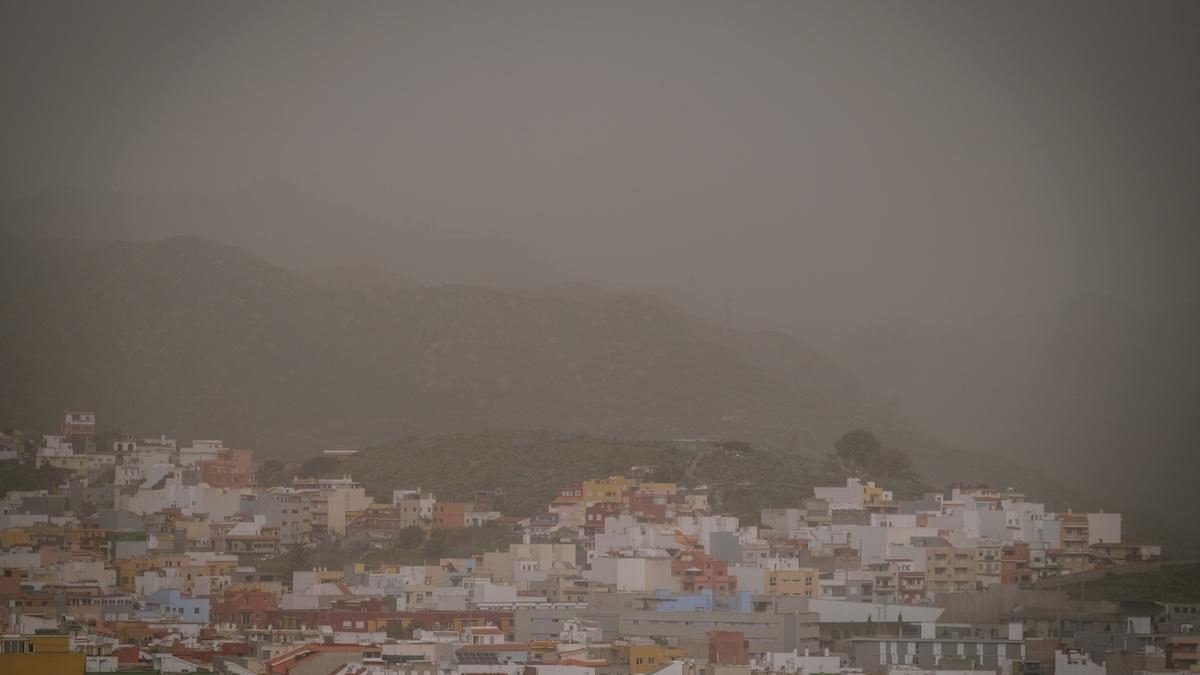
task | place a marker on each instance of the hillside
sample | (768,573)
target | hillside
(365,277)
(199,339)
(528,466)
(199,336)
(1177,582)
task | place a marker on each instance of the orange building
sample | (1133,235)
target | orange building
(728,648)
(699,571)
(450,515)
(79,423)
(231,469)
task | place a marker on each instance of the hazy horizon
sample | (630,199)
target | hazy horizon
(809,162)
(941,197)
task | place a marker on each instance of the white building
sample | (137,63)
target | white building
(804,663)
(1104,528)
(644,570)
(200,451)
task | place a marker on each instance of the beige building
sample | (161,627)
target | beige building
(800,583)
(987,563)
(1076,548)
(950,569)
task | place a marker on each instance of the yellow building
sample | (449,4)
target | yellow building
(873,494)
(40,655)
(645,657)
(664,489)
(334,576)
(222,568)
(15,536)
(801,583)
(129,568)
(47,535)
(611,489)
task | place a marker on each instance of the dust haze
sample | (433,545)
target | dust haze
(985,213)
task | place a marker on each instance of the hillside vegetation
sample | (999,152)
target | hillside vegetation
(199,339)
(16,475)
(1178,583)
(528,467)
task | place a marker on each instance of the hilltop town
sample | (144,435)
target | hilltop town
(144,555)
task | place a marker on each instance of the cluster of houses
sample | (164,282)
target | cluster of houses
(153,561)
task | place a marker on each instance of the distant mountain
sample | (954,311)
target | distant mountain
(357,277)
(285,224)
(195,338)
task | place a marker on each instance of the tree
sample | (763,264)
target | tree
(410,537)
(892,463)
(613,461)
(857,450)
(272,473)
(15,475)
(295,557)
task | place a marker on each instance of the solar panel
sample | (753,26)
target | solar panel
(477,658)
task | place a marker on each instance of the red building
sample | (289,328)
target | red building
(231,469)
(651,508)
(244,608)
(208,655)
(264,544)
(305,657)
(79,424)
(594,515)
(10,583)
(127,655)
(1014,565)
(382,526)
(570,494)
(910,587)
(699,571)
(728,648)
(450,515)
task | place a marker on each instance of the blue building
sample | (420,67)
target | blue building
(171,603)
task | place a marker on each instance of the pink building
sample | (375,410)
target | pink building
(231,469)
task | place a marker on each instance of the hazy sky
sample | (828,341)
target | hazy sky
(827,160)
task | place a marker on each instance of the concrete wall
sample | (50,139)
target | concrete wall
(1104,528)
(876,654)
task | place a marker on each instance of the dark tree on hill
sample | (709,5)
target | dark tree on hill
(410,537)
(294,557)
(894,464)
(318,467)
(858,450)
(16,475)
(272,473)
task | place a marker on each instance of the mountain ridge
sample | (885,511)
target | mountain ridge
(284,223)
(196,337)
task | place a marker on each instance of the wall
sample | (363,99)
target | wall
(1104,527)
